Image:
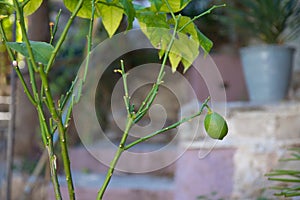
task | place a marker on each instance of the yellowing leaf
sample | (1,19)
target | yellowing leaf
(111,18)
(174,60)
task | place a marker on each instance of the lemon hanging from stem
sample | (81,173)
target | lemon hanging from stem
(215,125)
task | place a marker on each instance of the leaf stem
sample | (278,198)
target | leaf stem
(142,111)
(46,136)
(90,41)
(126,96)
(50,148)
(63,35)
(16,67)
(153,92)
(116,159)
(172,126)
(62,133)
(170,9)
(20,17)
(23,4)
(55,26)
(201,15)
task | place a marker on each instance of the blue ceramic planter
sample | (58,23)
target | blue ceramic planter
(267,71)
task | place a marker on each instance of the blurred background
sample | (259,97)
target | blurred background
(239,24)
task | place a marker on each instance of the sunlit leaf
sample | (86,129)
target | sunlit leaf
(41,50)
(186,44)
(176,5)
(152,25)
(85,10)
(190,29)
(111,18)
(157,3)
(32,6)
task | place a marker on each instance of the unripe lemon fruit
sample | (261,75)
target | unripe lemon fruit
(215,125)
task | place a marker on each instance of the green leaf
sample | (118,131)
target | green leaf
(156,3)
(111,12)
(41,50)
(32,6)
(205,43)
(111,18)
(186,46)
(155,27)
(86,9)
(129,11)
(176,5)
(190,29)
(6,8)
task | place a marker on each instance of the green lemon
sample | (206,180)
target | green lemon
(215,125)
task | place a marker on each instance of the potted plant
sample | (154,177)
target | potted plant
(265,26)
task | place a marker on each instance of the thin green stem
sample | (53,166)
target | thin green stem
(208,108)
(153,92)
(89,40)
(116,159)
(16,67)
(69,112)
(142,110)
(63,35)
(24,3)
(20,17)
(201,15)
(69,93)
(45,133)
(33,81)
(50,148)
(46,136)
(171,10)
(172,126)
(62,133)
(126,96)
(54,26)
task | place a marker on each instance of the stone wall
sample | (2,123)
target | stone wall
(259,135)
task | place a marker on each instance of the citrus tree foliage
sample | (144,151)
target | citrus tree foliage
(30,7)
(149,18)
